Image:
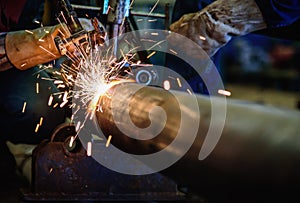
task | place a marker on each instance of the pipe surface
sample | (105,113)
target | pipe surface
(259,145)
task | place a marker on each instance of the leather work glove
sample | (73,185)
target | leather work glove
(215,25)
(25,49)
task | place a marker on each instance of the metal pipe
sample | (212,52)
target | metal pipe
(259,144)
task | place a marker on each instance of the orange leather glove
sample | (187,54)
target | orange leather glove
(25,49)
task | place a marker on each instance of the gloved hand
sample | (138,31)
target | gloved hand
(25,49)
(215,25)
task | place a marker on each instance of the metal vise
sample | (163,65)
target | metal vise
(65,174)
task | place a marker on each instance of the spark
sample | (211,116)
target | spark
(23,64)
(167,85)
(99,72)
(24,107)
(153,8)
(41,121)
(202,37)
(174,52)
(63,103)
(56,82)
(62,86)
(72,139)
(179,82)
(37,128)
(65,96)
(150,55)
(50,79)
(78,126)
(37,88)
(157,44)
(49,52)
(28,31)
(224,92)
(108,140)
(89,77)
(89,149)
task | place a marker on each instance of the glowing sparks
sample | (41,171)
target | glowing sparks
(155,5)
(63,103)
(28,31)
(56,82)
(50,100)
(179,82)
(24,107)
(224,92)
(65,97)
(89,77)
(167,85)
(37,128)
(77,126)
(100,92)
(23,64)
(37,88)
(89,149)
(202,37)
(61,86)
(150,55)
(108,140)
(72,139)
(174,52)
(41,121)
(49,52)
(99,72)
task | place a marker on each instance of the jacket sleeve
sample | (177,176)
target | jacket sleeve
(279,13)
